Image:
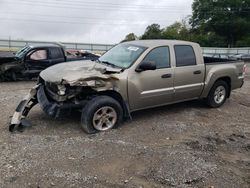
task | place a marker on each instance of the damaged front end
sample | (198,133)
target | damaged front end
(8,68)
(54,102)
(61,90)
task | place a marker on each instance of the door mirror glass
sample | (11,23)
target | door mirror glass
(146,65)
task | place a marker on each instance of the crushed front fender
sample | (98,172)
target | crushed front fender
(18,119)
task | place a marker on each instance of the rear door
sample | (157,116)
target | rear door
(153,87)
(189,74)
(56,55)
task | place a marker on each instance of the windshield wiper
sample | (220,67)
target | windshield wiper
(108,63)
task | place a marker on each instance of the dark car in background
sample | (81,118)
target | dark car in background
(28,62)
(85,54)
(244,57)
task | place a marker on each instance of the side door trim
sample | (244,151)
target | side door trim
(189,86)
(157,90)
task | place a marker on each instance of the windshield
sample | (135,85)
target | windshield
(122,55)
(22,52)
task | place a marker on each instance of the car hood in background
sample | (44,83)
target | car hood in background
(4,60)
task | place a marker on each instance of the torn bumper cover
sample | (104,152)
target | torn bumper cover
(23,109)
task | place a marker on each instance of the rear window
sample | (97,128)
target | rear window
(185,55)
(56,53)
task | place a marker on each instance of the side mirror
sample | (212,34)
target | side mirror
(146,65)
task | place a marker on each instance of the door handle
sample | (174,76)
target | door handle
(197,72)
(166,76)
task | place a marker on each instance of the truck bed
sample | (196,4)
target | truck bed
(213,60)
(232,69)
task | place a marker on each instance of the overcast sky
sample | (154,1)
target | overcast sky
(86,21)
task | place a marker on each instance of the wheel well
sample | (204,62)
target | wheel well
(9,75)
(228,81)
(117,96)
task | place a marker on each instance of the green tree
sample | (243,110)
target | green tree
(130,37)
(245,42)
(172,31)
(152,32)
(177,31)
(228,19)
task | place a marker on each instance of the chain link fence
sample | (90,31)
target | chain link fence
(225,51)
(13,45)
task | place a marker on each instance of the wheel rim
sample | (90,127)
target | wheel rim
(104,118)
(219,94)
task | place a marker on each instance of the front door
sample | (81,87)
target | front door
(153,87)
(36,61)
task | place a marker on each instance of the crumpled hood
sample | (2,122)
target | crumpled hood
(4,60)
(75,71)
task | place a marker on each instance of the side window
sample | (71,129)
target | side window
(56,53)
(185,55)
(160,56)
(39,55)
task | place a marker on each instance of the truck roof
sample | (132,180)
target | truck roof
(153,43)
(44,45)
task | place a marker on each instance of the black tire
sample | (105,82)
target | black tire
(2,78)
(93,106)
(13,76)
(211,96)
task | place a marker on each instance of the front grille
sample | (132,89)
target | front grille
(51,87)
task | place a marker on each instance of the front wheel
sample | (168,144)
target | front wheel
(102,113)
(218,94)
(9,75)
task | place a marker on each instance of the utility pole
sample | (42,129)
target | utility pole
(9,42)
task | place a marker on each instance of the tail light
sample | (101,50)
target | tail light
(244,70)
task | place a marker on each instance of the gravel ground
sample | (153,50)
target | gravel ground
(182,145)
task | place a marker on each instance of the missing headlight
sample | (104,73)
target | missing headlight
(61,90)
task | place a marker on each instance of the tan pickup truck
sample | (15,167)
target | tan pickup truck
(131,76)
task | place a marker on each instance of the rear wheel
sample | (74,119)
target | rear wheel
(218,94)
(102,113)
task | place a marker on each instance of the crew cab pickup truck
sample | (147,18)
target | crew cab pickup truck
(131,76)
(28,62)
